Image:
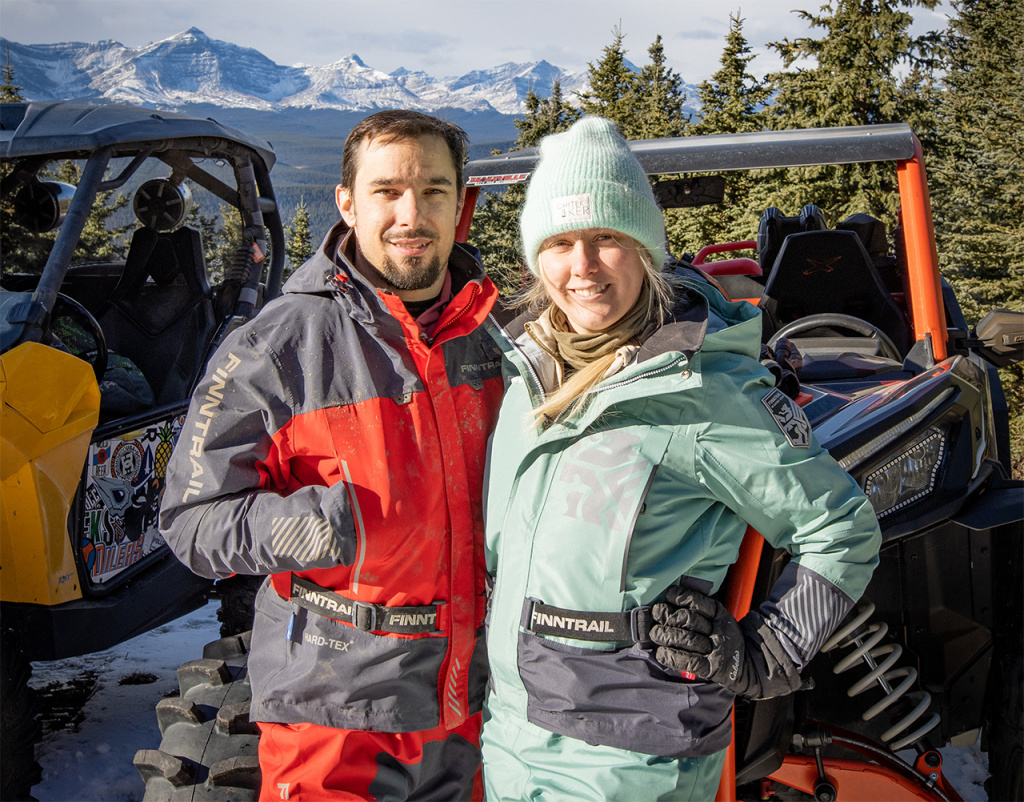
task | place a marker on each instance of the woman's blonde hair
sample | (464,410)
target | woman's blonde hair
(573,393)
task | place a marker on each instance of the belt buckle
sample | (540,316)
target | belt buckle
(636,625)
(371,624)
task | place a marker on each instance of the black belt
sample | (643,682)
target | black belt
(363,615)
(633,626)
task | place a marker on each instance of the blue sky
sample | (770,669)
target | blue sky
(440,37)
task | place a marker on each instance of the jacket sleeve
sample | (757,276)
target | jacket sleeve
(761,460)
(231,504)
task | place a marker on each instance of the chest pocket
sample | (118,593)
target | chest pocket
(596,495)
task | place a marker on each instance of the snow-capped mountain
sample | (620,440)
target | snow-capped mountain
(190,67)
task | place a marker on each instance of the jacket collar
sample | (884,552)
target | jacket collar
(330,271)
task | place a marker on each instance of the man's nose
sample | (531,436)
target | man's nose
(407,210)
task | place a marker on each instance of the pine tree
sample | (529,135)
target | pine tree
(655,100)
(230,250)
(976,181)
(9,91)
(612,82)
(867,68)
(299,240)
(732,101)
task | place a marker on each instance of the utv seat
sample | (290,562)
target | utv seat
(160,315)
(829,272)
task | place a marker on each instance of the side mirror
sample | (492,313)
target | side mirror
(1001,337)
(40,206)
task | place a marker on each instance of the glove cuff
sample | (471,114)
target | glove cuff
(777,674)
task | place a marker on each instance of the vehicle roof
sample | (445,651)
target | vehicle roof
(37,129)
(724,152)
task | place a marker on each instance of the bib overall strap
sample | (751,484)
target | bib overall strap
(632,626)
(363,615)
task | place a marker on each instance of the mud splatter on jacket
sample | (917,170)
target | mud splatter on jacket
(656,480)
(335,447)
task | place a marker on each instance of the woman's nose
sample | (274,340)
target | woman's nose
(582,258)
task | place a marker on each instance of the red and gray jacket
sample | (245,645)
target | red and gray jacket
(339,449)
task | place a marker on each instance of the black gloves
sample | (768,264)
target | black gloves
(697,635)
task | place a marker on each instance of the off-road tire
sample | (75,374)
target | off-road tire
(1006,736)
(208,749)
(19,726)
(237,603)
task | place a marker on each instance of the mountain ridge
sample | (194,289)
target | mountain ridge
(192,68)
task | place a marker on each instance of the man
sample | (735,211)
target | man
(337,445)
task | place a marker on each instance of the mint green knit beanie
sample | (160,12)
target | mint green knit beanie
(588,178)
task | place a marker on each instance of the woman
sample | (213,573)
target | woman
(638,437)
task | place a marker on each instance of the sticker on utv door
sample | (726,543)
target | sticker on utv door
(124,481)
(789,418)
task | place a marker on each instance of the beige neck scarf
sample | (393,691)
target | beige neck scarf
(579,350)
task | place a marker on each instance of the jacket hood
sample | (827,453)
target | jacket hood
(732,326)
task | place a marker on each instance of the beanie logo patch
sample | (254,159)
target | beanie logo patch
(572,209)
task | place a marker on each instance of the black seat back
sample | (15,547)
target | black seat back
(160,314)
(829,271)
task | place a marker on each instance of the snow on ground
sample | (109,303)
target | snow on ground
(92,762)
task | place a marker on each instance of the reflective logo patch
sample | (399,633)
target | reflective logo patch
(789,418)
(572,209)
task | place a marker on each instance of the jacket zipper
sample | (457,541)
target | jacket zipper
(526,360)
(458,315)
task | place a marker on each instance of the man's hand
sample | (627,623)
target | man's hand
(697,635)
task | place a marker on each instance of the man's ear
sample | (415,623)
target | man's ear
(343,197)
(462,202)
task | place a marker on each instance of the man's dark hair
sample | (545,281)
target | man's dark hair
(395,124)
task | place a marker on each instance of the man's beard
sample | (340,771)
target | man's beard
(413,272)
(416,273)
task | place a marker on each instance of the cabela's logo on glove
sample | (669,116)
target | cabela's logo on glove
(735,671)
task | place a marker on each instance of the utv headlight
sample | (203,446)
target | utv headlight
(908,477)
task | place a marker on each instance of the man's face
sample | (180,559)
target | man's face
(404,206)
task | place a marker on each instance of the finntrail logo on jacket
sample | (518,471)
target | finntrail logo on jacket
(539,619)
(201,426)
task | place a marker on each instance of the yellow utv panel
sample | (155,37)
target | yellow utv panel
(49,406)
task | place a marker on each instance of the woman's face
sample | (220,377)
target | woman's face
(594,276)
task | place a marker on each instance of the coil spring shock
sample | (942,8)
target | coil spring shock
(864,643)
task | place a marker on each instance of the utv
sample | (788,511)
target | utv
(97,363)
(908,399)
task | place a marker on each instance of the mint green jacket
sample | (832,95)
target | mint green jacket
(654,482)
